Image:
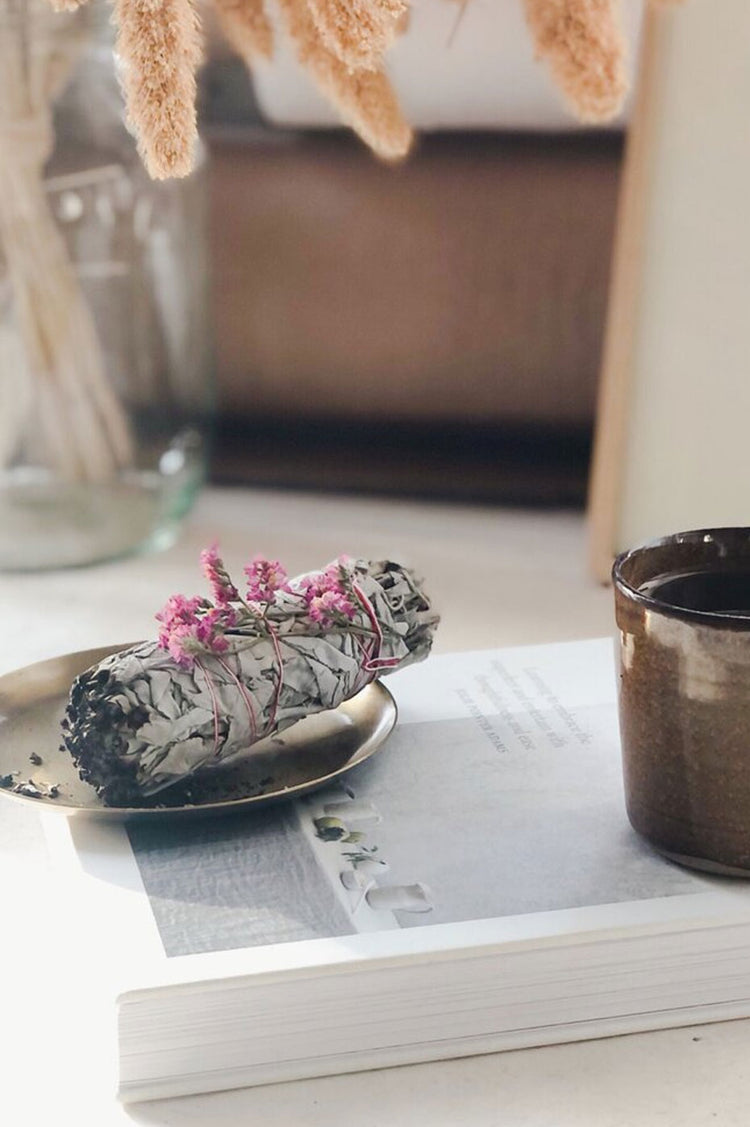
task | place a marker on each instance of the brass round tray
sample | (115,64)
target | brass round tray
(307,755)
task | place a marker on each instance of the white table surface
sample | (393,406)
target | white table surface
(530,570)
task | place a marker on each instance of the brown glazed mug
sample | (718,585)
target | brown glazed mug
(683,611)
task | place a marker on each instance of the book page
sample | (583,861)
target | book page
(498,794)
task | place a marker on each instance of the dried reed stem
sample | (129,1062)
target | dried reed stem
(80,420)
(584,45)
(161,48)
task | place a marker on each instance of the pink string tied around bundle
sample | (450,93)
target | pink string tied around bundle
(372,661)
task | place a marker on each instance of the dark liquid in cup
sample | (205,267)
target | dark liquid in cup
(717,592)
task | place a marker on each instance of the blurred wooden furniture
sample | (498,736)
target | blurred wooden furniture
(467,285)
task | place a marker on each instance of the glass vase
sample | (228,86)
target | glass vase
(105,373)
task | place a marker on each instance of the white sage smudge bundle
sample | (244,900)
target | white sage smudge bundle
(227,672)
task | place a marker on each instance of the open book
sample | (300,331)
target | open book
(474,886)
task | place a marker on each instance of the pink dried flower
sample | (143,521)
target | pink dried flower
(330,606)
(216,621)
(193,626)
(264,579)
(183,644)
(222,588)
(177,611)
(318,608)
(336,576)
(328,593)
(180,607)
(340,571)
(210,632)
(343,604)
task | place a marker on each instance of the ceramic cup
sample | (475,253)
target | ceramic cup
(683,611)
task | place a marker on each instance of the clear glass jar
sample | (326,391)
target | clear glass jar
(105,366)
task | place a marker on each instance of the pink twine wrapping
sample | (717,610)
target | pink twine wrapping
(215,702)
(246,698)
(279,683)
(372,662)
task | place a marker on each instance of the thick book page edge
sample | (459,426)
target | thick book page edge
(224,1079)
(275,1028)
(103,885)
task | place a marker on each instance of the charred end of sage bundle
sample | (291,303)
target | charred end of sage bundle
(93,734)
(228,671)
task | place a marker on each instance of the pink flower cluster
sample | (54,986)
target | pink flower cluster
(264,579)
(192,626)
(328,594)
(224,591)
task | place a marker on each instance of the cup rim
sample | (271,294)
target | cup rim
(704,617)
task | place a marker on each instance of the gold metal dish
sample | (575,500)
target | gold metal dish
(308,755)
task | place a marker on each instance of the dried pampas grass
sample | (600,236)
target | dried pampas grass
(359,32)
(365,99)
(342,43)
(160,44)
(247,27)
(583,43)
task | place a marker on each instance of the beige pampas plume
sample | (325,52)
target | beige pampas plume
(246,26)
(365,99)
(584,45)
(342,43)
(159,43)
(358,32)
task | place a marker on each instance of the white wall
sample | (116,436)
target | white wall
(687,447)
